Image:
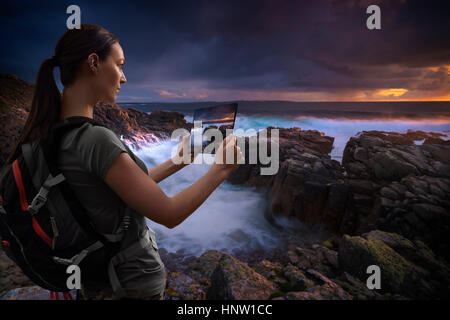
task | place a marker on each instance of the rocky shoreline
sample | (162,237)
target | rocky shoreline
(385,182)
(387,204)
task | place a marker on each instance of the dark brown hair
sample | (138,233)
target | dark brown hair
(71,50)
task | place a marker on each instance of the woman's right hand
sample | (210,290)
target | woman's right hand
(228,146)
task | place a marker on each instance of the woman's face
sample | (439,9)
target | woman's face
(110,75)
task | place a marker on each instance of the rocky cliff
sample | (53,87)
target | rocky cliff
(15,101)
(386,181)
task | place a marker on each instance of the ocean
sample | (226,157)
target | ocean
(232,218)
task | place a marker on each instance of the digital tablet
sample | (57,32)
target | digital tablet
(220,117)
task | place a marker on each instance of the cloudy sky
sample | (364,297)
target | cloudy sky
(319,50)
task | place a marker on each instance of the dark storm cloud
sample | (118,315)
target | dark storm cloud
(291,46)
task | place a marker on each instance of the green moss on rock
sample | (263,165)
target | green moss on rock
(357,253)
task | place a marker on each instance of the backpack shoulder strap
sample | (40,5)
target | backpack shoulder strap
(68,124)
(60,128)
(50,148)
(27,151)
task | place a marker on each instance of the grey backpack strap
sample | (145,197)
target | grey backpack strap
(76,259)
(79,257)
(27,151)
(115,237)
(41,197)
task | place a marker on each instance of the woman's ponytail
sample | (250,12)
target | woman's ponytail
(71,50)
(45,107)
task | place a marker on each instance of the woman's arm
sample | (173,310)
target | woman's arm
(144,195)
(164,170)
(169,167)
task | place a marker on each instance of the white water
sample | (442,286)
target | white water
(232,218)
(340,129)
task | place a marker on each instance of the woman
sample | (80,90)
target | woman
(98,167)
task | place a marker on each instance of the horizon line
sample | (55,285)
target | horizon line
(291,101)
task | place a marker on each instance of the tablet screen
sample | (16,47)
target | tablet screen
(220,117)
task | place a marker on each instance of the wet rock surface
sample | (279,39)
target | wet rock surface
(400,187)
(386,182)
(308,184)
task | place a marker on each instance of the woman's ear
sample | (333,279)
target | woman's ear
(93,61)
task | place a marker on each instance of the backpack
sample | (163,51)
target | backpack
(43,227)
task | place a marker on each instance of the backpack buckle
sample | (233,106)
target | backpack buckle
(62,260)
(38,201)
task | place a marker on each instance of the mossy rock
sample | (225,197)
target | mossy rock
(356,288)
(416,252)
(235,280)
(277,294)
(181,286)
(357,253)
(297,279)
(328,244)
(203,266)
(4,108)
